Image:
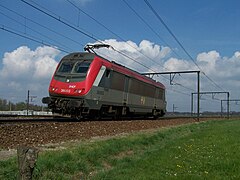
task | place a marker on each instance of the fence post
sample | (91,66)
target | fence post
(27,158)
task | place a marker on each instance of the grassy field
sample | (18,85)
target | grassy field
(207,150)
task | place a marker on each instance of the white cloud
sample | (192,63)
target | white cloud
(146,53)
(233,66)
(25,63)
(153,50)
(237,55)
(16,63)
(24,69)
(208,60)
(209,57)
(44,67)
(174,64)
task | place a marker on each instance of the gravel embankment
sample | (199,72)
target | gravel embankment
(40,133)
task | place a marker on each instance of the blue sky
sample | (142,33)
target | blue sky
(199,25)
(209,31)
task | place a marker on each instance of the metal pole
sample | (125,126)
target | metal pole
(28,101)
(172,74)
(228,104)
(198,101)
(221,108)
(192,104)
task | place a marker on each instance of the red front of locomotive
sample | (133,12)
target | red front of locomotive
(72,80)
(74,75)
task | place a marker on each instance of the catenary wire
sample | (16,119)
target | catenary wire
(179,43)
(41,25)
(148,25)
(9,30)
(24,25)
(58,18)
(115,34)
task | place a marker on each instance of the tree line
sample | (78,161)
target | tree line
(6,105)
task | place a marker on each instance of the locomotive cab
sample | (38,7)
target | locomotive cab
(69,77)
(68,85)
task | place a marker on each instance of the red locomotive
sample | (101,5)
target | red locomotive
(87,85)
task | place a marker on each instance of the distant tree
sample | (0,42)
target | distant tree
(6,105)
(3,105)
(21,106)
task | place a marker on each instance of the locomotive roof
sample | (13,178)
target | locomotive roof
(115,66)
(79,55)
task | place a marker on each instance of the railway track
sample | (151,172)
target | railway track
(68,120)
(33,119)
(52,118)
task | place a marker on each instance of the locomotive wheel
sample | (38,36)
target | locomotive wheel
(118,113)
(93,114)
(77,115)
(155,114)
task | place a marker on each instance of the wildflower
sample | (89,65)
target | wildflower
(179,166)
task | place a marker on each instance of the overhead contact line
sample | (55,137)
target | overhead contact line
(4,28)
(179,43)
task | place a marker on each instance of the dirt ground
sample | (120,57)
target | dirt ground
(37,134)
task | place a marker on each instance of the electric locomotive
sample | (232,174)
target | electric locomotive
(86,85)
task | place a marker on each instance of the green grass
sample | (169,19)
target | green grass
(207,150)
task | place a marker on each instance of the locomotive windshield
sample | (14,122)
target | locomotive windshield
(72,70)
(74,67)
(81,67)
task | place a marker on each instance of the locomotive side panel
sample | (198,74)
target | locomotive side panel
(144,96)
(118,90)
(107,91)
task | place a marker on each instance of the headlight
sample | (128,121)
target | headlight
(78,91)
(53,89)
